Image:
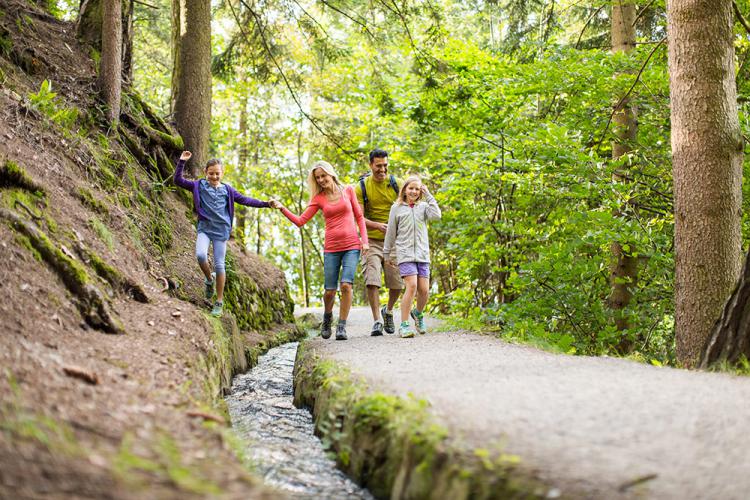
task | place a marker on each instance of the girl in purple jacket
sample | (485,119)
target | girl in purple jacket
(213,201)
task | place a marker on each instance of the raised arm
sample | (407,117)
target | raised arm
(178,177)
(359,217)
(301,220)
(390,235)
(433,210)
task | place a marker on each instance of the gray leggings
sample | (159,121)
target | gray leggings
(220,252)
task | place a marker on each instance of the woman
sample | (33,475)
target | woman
(342,243)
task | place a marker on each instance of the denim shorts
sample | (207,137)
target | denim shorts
(345,262)
(421,269)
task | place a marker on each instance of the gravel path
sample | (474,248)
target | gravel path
(592,427)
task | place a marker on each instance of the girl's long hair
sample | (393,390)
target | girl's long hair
(402,192)
(312,184)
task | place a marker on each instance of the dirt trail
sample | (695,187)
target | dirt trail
(590,427)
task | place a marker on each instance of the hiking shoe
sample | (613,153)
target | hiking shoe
(218,309)
(325,328)
(377,329)
(210,286)
(418,318)
(405,330)
(341,331)
(387,320)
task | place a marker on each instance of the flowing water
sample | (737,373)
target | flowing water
(280,438)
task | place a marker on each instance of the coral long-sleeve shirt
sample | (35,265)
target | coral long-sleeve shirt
(340,216)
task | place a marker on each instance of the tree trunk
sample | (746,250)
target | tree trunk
(305,287)
(241,212)
(707,167)
(623,269)
(191,76)
(110,72)
(730,337)
(127,42)
(89,28)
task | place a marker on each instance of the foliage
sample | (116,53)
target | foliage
(46,102)
(505,109)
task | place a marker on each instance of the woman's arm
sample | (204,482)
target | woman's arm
(358,216)
(301,220)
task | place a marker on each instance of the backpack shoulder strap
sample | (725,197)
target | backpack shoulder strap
(362,187)
(394,184)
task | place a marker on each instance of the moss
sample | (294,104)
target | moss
(392,445)
(104,167)
(25,242)
(164,460)
(87,199)
(255,308)
(22,424)
(6,43)
(92,304)
(103,232)
(13,176)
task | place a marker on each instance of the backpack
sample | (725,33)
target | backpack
(391,182)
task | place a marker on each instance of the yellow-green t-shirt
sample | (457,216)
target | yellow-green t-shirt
(380,197)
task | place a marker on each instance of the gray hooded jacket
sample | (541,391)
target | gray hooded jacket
(406,236)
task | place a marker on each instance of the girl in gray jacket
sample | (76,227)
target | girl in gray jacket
(407,244)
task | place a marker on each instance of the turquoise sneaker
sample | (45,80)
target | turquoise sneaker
(405,330)
(210,287)
(218,309)
(418,318)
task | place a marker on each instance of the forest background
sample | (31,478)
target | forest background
(547,146)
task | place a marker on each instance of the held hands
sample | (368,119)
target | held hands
(382,227)
(186,155)
(365,247)
(274,203)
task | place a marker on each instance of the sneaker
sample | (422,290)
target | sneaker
(210,286)
(387,320)
(341,331)
(325,328)
(218,309)
(418,318)
(377,329)
(405,330)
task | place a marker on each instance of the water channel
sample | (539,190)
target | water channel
(280,438)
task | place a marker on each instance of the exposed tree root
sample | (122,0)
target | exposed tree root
(13,176)
(120,283)
(730,337)
(92,303)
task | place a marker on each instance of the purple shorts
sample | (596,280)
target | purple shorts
(421,269)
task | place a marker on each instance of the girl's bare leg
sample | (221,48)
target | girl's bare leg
(423,291)
(410,284)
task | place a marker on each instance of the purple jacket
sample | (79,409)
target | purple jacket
(194,186)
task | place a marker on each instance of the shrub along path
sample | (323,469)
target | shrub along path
(591,427)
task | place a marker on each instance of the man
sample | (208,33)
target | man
(376,192)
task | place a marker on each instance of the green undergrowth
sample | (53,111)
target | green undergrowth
(48,103)
(394,447)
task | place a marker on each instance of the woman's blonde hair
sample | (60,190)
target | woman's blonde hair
(313,185)
(402,192)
